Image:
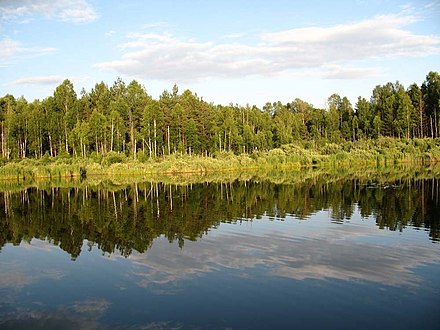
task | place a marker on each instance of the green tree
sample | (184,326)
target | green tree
(97,124)
(166,104)
(333,118)
(415,93)
(431,98)
(65,103)
(17,123)
(53,128)
(303,111)
(120,133)
(177,128)
(346,114)
(316,123)
(101,97)
(192,136)
(152,123)
(137,99)
(383,104)
(117,128)
(355,127)
(365,117)
(406,114)
(377,126)
(36,128)
(248,138)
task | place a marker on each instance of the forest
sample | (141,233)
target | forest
(125,120)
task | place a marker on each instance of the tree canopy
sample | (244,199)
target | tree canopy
(126,119)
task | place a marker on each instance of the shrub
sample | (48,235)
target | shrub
(113,157)
(330,148)
(96,157)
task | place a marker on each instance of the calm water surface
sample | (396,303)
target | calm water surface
(243,255)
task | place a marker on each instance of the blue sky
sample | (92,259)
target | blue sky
(239,51)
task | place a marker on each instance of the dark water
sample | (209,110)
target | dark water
(320,254)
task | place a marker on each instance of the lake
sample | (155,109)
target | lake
(317,251)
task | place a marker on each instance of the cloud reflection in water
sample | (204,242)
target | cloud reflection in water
(349,251)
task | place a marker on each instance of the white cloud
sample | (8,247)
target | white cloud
(49,81)
(8,48)
(233,36)
(75,11)
(110,33)
(340,72)
(11,50)
(159,57)
(166,57)
(37,80)
(156,25)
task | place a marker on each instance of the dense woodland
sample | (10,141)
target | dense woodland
(125,119)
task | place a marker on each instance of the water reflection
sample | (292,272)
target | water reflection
(338,255)
(129,218)
(164,255)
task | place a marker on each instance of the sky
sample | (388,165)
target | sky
(229,51)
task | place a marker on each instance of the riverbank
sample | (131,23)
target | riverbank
(370,153)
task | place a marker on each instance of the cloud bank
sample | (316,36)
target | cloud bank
(336,51)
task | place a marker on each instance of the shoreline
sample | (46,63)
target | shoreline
(364,154)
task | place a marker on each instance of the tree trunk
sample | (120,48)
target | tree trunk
(39,145)
(132,139)
(66,139)
(104,143)
(135,151)
(421,116)
(50,145)
(3,141)
(436,124)
(81,146)
(112,135)
(168,138)
(131,123)
(155,139)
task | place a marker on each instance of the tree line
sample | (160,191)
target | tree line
(125,119)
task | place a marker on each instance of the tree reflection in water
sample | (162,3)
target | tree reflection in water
(129,217)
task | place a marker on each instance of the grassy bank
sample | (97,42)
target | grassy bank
(306,175)
(361,154)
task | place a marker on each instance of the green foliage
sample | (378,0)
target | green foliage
(125,120)
(347,154)
(112,158)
